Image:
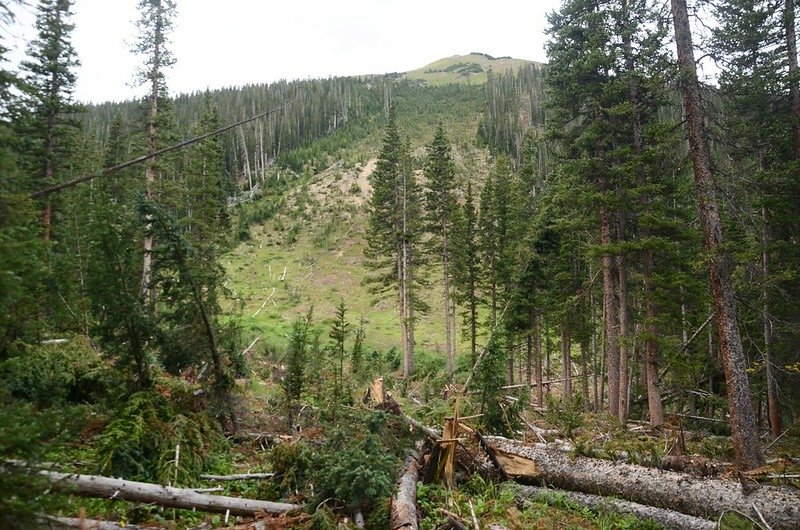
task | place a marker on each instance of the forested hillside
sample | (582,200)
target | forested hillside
(486,293)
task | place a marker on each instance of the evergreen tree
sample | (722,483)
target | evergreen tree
(340,330)
(154,25)
(748,454)
(441,206)
(294,381)
(393,234)
(467,267)
(753,92)
(50,81)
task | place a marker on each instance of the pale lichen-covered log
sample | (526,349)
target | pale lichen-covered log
(128,490)
(700,497)
(404,501)
(667,519)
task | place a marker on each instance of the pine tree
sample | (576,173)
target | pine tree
(393,234)
(441,206)
(154,26)
(747,450)
(294,381)
(467,267)
(340,330)
(50,78)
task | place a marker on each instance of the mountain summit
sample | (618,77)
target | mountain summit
(470,68)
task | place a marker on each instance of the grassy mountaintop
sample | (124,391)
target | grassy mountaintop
(470,68)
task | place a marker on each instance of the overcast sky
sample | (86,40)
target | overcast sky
(232,42)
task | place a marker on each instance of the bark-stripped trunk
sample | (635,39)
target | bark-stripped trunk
(747,449)
(775,423)
(794,90)
(700,497)
(403,514)
(610,315)
(128,490)
(667,519)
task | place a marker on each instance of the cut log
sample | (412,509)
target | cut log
(404,501)
(700,497)
(241,476)
(668,519)
(128,490)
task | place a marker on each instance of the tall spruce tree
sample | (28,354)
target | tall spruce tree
(441,205)
(747,448)
(393,233)
(155,24)
(50,78)
(467,267)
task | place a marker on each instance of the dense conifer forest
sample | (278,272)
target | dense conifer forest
(489,293)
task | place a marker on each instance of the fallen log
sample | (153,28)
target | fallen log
(667,519)
(170,497)
(403,514)
(241,476)
(67,523)
(700,497)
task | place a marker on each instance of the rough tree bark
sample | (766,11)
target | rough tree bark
(610,314)
(700,497)
(747,449)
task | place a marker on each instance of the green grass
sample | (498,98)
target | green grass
(318,235)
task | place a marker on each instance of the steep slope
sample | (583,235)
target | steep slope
(310,253)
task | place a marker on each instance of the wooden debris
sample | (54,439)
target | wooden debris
(404,502)
(128,490)
(241,476)
(700,497)
(668,519)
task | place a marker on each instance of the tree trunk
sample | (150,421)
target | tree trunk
(700,497)
(772,386)
(747,449)
(624,335)
(145,292)
(794,90)
(404,502)
(610,315)
(451,366)
(566,361)
(652,361)
(537,353)
(667,519)
(128,490)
